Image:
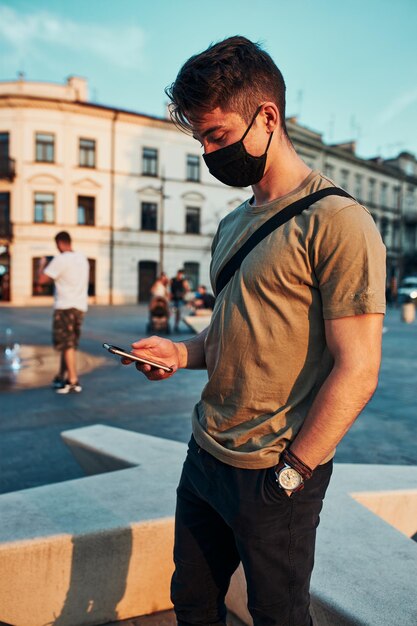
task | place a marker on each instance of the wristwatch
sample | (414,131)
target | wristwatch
(288,478)
(291,472)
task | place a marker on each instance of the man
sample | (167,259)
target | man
(70,273)
(179,288)
(292,351)
(203,299)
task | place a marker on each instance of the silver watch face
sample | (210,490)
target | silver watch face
(289,479)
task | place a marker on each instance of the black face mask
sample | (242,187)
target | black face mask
(234,166)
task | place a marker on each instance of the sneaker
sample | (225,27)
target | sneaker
(70,388)
(58,382)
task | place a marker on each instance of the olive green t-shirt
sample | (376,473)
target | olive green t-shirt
(265,349)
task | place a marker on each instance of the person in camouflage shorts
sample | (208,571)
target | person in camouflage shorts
(66,328)
(70,272)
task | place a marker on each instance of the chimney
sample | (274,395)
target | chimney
(78,88)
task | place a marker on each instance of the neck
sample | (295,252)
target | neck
(285,172)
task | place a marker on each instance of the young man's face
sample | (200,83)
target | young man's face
(219,129)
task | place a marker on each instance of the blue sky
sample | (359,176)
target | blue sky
(350,67)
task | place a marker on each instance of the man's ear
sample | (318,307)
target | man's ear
(271,116)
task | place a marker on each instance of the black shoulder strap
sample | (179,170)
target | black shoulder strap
(268,227)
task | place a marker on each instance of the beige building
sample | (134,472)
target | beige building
(130,189)
(387,187)
(134,194)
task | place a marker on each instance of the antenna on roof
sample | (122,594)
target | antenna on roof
(355,129)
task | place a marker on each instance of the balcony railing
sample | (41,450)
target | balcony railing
(7,168)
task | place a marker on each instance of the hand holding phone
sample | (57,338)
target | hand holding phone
(132,357)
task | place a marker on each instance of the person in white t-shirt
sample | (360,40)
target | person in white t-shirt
(69,271)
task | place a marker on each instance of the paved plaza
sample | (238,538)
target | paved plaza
(31,420)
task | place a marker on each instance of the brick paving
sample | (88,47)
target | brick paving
(31,451)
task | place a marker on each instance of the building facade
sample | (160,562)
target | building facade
(388,188)
(134,194)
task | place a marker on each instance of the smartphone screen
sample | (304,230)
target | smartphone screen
(133,357)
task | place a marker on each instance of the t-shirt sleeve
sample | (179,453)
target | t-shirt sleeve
(349,264)
(53,269)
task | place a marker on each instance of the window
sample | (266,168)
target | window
(150,162)
(5,225)
(40,290)
(192,220)
(193,167)
(396,194)
(358,186)
(44,208)
(344,179)
(384,228)
(410,240)
(384,194)
(4,273)
(87,153)
(149,215)
(86,210)
(409,198)
(4,146)
(7,170)
(396,234)
(329,170)
(192,274)
(371,191)
(45,148)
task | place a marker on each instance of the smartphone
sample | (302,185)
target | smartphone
(133,357)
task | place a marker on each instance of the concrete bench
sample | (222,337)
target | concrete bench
(93,550)
(197,323)
(99,549)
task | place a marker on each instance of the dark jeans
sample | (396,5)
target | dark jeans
(226,515)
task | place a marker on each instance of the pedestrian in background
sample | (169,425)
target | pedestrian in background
(69,271)
(179,290)
(203,299)
(160,288)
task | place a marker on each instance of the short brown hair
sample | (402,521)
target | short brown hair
(63,236)
(234,74)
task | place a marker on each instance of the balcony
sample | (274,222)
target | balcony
(7,168)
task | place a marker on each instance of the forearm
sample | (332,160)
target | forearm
(191,352)
(340,400)
(41,277)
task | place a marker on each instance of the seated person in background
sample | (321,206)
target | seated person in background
(203,300)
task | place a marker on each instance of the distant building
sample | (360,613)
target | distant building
(388,188)
(132,191)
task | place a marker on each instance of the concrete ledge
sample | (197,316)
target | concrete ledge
(99,549)
(93,550)
(197,323)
